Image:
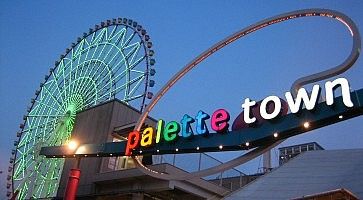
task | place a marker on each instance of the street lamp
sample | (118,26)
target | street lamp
(74,175)
(72,145)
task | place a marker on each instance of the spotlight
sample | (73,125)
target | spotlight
(306,124)
(72,145)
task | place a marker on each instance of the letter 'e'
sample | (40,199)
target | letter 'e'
(219,121)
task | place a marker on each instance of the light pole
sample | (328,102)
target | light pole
(74,175)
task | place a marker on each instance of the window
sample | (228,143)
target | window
(282,151)
(296,149)
(112,163)
(121,162)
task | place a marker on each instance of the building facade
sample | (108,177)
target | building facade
(116,177)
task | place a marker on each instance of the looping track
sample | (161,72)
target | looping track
(344,66)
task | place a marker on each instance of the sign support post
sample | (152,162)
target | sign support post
(73,181)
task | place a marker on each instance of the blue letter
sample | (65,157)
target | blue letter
(186,129)
(201,125)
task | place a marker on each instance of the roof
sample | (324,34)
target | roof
(309,173)
(333,194)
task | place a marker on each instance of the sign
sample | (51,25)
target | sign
(269,109)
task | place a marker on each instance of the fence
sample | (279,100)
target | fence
(192,162)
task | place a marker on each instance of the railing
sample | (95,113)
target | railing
(231,179)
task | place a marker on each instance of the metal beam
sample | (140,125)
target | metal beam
(285,126)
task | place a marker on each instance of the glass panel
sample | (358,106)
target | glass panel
(112,163)
(122,162)
(296,149)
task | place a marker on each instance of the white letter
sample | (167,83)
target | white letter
(246,113)
(329,91)
(277,108)
(302,94)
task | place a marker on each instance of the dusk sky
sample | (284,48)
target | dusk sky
(34,33)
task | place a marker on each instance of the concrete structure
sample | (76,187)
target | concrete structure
(115,178)
(311,172)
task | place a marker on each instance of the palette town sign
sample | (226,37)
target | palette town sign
(219,121)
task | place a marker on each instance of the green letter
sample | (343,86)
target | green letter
(171,131)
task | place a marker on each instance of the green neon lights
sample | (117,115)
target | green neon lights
(110,61)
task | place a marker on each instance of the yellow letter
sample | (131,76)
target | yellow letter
(147,137)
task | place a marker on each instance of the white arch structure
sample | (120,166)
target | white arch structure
(344,66)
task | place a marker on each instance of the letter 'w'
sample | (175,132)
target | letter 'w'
(302,95)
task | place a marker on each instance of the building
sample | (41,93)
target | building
(310,175)
(116,177)
(342,194)
(287,153)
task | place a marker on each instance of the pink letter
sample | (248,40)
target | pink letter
(219,121)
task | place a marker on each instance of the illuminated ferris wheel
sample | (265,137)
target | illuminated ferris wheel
(113,60)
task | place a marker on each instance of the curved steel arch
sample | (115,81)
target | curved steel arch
(344,66)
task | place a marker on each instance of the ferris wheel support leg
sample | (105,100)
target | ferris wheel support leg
(73,180)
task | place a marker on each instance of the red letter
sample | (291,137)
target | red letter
(220,120)
(132,142)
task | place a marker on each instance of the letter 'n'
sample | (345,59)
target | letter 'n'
(330,86)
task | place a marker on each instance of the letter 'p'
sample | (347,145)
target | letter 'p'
(132,142)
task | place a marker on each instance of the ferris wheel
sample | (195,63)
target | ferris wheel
(112,60)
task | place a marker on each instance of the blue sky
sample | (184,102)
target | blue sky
(34,34)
